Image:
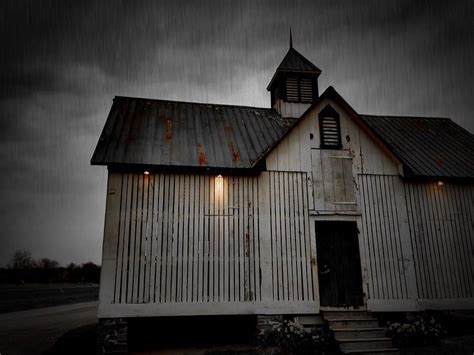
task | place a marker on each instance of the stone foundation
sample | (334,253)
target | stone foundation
(265,322)
(112,336)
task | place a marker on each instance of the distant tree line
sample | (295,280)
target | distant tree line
(23,268)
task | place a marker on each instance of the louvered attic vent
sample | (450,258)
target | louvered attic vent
(299,90)
(330,131)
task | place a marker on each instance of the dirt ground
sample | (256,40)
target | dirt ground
(72,327)
(29,296)
(35,331)
(82,341)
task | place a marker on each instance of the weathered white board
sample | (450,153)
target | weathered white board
(333,180)
(184,239)
(290,109)
(419,243)
(386,261)
(441,220)
(290,238)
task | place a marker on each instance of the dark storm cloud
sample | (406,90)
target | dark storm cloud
(63,61)
(22,84)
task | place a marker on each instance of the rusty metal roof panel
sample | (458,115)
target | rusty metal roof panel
(427,147)
(170,133)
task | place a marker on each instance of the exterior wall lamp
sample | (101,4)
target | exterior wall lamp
(219,185)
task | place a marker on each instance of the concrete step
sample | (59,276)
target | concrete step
(353,323)
(309,320)
(237,349)
(367,343)
(386,351)
(358,333)
(335,315)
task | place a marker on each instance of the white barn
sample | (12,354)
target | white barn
(295,209)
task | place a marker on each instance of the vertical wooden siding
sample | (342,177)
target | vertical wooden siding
(181,240)
(442,230)
(290,109)
(291,251)
(418,239)
(380,202)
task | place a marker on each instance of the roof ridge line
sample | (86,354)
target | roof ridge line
(410,117)
(193,102)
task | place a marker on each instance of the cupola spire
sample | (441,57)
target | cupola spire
(291,39)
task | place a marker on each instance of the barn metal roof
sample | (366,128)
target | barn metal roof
(170,133)
(181,134)
(427,147)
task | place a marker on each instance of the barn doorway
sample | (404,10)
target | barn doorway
(339,268)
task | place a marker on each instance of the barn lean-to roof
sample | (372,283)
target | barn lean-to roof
(427,147)
(146,132)
(161,133)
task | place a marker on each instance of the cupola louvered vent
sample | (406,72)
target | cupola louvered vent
(330,131)
(306,90)
(292,89)
(299,90)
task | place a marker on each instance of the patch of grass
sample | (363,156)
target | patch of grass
(25,297)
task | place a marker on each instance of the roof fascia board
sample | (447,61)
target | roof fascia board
(140,168)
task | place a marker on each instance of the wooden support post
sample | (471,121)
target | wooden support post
(111,233)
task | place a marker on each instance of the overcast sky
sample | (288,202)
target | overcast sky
(62,62)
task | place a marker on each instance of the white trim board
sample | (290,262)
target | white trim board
(201,309)
(420,305)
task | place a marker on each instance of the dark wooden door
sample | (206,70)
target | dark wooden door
(340,279)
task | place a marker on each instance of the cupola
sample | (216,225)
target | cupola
(294,86)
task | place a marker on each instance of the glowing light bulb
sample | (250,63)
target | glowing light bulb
(219,185)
